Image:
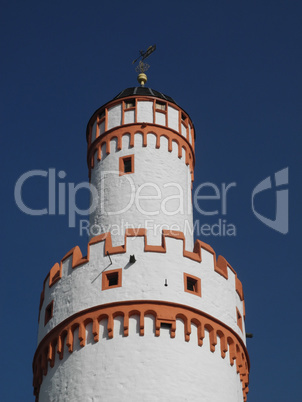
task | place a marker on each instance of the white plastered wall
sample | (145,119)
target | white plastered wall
(81,288)
(142,368)
(115,116)
(159,175)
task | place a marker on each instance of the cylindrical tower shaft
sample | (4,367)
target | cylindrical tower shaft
(141,155)
(146,315)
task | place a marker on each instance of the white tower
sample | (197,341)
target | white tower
(147,315)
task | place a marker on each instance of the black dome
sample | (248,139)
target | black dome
(143,91)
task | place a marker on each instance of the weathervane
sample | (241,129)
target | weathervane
(142,67)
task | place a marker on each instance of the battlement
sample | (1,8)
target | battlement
(220,264)
(145,278)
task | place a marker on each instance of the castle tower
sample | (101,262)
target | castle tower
(147,315)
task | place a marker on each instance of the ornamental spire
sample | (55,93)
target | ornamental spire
(142,67)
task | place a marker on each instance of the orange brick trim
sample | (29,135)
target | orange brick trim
(243,307)
(55,274)
(164,312)
(197,285)
(106,275)
(144,129)
(239,289)
(135,98)
(220,265)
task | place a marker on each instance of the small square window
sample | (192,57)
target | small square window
(112,279)
(126,164)
(183,117)
(192,284)
(102,115)
(160,105)
(129,103)
(239,319)
(48,313)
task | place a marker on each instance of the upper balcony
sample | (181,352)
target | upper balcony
(140,105)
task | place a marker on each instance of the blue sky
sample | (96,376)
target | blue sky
(235,67)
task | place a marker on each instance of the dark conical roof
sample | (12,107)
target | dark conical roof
(143,91)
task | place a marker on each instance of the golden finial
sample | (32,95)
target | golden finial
(142,67)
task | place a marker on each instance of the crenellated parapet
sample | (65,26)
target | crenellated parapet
(220,264)
(220,291)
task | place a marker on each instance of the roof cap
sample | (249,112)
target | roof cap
(143,91)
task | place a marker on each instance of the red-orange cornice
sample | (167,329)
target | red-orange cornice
(144,129)
(164,312)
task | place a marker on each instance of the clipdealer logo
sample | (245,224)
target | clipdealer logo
(62,193)
(280,223)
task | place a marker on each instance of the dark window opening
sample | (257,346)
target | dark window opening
(127,165)
(102,115)
(129,104)
(165,325)
(48,313)
(160,105)
(192,284)
(183,117)
(239,320)
(112,279)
